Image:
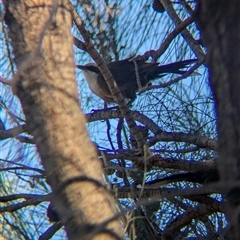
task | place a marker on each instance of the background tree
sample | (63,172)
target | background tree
(219,35)
(175,116)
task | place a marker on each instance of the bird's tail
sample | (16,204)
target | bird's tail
(176,67)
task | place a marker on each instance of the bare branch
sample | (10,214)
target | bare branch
(155,54)
(12,132)
(25,196)
(184,165)
(161,193)
(21,168)
(22,165)
(5,81)
(193,44)
(185,219)
(198,140)
(79,44)
(49,233)
(17,206)
(160,135)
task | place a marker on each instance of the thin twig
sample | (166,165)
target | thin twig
(193,44)
(11,114)
(187,7)
(24,196)
(79,44)
(186,218)
(5,81)
(17,206)
(49,233)
(155,54)
(12,132)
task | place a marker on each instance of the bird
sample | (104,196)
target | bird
(130,76)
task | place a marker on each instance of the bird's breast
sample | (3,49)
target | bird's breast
(98,86)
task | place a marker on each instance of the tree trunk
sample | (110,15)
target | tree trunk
(46,86)
(219,22)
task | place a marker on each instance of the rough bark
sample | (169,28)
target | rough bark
(46,86)
(219,22)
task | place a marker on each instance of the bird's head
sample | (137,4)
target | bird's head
(90,71)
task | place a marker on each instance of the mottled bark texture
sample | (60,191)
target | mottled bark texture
(219,23)
(46,86)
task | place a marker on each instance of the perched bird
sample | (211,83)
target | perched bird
(130,76)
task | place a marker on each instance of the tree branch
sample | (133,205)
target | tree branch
(155,54)
(193,44)
(25,196)
(184,219)
(160,135)
(20,205)
(49,233)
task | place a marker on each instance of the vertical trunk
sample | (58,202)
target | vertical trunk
(46,86)
(219,22)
